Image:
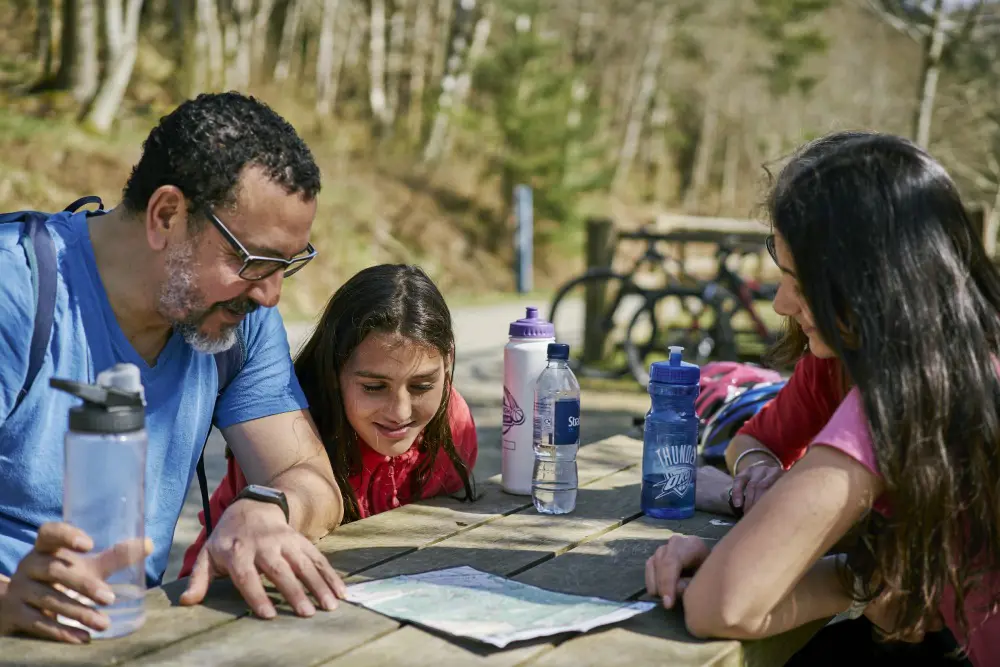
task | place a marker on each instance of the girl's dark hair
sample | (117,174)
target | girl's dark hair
(392,299)
(900,287)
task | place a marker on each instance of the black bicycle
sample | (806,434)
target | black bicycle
(609,299)
(715,319)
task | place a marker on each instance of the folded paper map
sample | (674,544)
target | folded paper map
(466,602)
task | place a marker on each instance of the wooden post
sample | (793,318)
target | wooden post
(977,216)
(600,253)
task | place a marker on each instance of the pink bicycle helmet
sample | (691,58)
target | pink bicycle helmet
(722,380)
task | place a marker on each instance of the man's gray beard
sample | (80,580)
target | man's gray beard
(179,295)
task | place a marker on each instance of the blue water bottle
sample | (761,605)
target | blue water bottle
(670,439)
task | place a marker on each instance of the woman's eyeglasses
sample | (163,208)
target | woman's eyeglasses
(769,244)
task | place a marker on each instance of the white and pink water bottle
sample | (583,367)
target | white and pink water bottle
(524,358)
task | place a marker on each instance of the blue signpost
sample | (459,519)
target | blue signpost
(523,237)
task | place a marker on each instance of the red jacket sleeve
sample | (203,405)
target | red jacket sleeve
(801,409)
(222,497)
(463,434)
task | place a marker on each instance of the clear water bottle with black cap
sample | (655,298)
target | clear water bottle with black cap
(670,439)
(104,486)
(556,434)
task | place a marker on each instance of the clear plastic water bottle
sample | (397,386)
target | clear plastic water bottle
(104,484)
(670,439)
(556,434)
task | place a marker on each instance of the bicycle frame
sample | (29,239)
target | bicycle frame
(744,291)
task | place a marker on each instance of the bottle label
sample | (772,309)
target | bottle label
(676,469)
(513,415)
(566,430)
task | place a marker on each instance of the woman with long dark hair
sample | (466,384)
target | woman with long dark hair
(882,268)
(377,375)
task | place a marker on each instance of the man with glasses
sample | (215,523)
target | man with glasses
(215,215)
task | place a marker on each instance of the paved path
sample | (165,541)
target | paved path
(480,334)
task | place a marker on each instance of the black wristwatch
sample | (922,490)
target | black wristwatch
(265,494)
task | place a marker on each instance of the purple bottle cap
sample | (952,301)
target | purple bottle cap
(532,326)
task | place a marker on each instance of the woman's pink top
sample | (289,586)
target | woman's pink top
(848,431)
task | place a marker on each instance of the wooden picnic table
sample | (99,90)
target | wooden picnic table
(600,549)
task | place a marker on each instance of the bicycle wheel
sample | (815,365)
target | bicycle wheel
(606,299)
(687,320)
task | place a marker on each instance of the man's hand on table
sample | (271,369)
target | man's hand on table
(36,593)
(253,539)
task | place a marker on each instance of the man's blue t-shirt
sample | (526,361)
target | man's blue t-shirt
(181,391)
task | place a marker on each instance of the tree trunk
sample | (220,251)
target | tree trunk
(68,46)
(208,41)
(355,45)
(394,61)
(730,172)
(453,98)
(376,64)
(240,73)
(930,72)
(705,153)
(643,97)
(112,91)
(43,40)
(113,29)
(229,19)
(325,58)
(259,41)
(991,224)
(422,45)
(442,41)
(626,95)
(86,79)
(289,37)
(663,172)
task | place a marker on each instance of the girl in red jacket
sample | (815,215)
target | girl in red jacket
(377,374)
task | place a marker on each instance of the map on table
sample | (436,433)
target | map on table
(467,602)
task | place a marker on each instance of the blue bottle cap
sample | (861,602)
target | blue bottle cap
(558,351)
(674,371)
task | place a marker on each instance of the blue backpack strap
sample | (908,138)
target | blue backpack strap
(228,365)
(83,201)
(41,253)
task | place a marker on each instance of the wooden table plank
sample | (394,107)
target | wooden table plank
(356,547)
(584,570)
(640,641)
(508,545)
(283,640)
(165,623)
(414,647)
(502,550)
(518,541)
(382,537)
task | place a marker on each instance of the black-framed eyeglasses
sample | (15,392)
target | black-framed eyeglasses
(769,244)
(258,267)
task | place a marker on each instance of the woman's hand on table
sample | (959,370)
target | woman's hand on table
(752,482)
(669,570)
